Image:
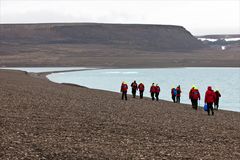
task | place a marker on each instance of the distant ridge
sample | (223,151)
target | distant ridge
(219,40)
(219,36)
(130,36)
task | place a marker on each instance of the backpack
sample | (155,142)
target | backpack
(174,92)
(134,85)
(141,87)
(195,94)
(125,86)
(205,107)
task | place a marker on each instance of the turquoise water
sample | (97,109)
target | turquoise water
(226,80)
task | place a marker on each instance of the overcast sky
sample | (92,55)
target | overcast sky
(200,17)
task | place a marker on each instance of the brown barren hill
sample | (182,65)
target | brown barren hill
(133,36)
(105,45)
(43,120)
(108,45)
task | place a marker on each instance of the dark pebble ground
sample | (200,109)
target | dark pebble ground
(43,120)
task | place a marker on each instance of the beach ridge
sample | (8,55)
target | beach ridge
(44,120)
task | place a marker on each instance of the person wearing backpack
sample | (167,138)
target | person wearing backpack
(210,97)
(216,103)
(152,91)
(141,89)
(178,94)
(124,88)
(191,95)
(134,88)
(157,91)
(195,96)
(174,93)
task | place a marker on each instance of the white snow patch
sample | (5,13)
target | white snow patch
(208,39)
(214,40)
(232,39)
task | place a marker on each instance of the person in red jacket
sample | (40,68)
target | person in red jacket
(134,88)
(178,94)
(141,89)
(210,97)
(124,88)
(152,91)
(216,103)
(194,96)
(157,91)
(190,95)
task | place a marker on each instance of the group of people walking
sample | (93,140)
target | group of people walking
(211,97)
(136,87)
(154,90)
(176,94)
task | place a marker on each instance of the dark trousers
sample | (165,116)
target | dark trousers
(195,103)
(210,107)
(152,95)
(192,102)
(134,92)
(156,95)
(174,98)
(141,94)
(216,104)
(178,99)
(124,95)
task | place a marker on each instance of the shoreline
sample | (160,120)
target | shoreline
(45,120)
(43,75)
(78,85)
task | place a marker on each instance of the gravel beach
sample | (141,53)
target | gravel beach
(43,120)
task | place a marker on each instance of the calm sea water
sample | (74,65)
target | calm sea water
(226,80)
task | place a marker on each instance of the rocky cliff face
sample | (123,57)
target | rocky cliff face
(133,36)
